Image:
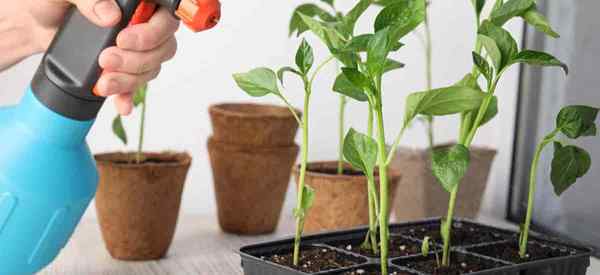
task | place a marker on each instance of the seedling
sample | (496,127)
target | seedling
(569,163)
(449,165)
(139,99)
(425,250)
(264,81)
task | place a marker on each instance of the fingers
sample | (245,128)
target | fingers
(147,36)
(113,83)
(134,62)
(104,13)
(124,103)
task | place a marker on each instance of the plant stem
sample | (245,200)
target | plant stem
(531,196)
(429,76)
(304,161)
(371,238)
(139,156)
(341,129)
(383,189)
(448,228)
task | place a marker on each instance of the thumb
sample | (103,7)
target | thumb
(104,13)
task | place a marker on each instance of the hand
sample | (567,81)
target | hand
(140,50)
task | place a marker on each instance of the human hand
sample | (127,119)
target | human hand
(138,55)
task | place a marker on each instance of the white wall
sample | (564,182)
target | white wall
(253,33)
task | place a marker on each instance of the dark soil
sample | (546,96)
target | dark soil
(333,171)
(374,270)
(535,251)
(315,259)
(459,264)
(462,233)
(398,247)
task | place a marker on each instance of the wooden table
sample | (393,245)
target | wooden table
(199,248)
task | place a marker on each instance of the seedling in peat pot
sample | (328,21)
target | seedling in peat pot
(569,163)
(139,98)
(263,81)
(450,164)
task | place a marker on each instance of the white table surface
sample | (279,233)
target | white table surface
(199,248)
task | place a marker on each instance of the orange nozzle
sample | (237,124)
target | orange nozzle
(199,15)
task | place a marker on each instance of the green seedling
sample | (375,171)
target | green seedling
(501,52)
(264,81)
(569,162)
(139,99)
(425,250)
(366,59)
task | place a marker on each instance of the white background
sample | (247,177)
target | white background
(254,33)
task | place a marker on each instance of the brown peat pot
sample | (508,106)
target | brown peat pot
(138,204)
(250,184)
(341,201)
(479,250)
(253,124)
(422,196)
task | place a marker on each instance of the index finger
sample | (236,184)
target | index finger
(147,36)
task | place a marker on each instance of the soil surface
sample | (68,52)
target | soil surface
(333,171)
(535,251)
(315,259)
(398,247)
(462,233)
(374,270)
(459,264)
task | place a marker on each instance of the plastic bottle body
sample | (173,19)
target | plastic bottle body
(47,179)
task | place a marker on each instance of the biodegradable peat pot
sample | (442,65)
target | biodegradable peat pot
(138,204)
(250,184)
(422,196)
(253,124)
(473,253)
(341,201)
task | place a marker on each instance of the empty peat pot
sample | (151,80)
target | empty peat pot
(421,195)
(250,184)
(253,124)
(138,204)
(341,200)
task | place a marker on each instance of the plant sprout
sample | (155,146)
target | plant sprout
(263,81)
(425,246)
(449,165)
(569,163)
(139,98)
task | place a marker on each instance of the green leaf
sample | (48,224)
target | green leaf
(497,5)
(298,26)
(391,64)
(577,120)
(504,40)
(492,50)
(401,18)
(443,101)
(539,59)
(483,66)
(377,52)
(308,199)
(258,82)
(327,33)
(478,6)
(281,72)
(357,78)
(354,14)
(361,42)
(304,57)
(425,246)
(329,2)
(539,21)
(449,165)
(343,86)
(510,9)
(140,95)
(360,151)
(468,81)
(491,112)
(119,130)
(569,164)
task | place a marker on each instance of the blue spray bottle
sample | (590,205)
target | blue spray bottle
(47,174)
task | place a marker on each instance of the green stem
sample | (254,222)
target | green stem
(448,228)
(531,196)
(341,129)
(429,76)
(383,189)
(304,161)
(372,196)
(139,156)
(482,110)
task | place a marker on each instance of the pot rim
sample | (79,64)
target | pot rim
(249,148)
(179,159)
(222,109)
(392,171)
